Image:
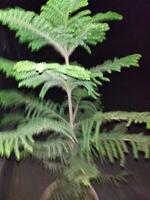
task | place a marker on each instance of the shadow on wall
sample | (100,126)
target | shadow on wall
(27,180)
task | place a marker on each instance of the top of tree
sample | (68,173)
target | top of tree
(65,25)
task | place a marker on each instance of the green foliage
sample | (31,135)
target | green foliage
(53,148)
(11,98)
(70,70)
(30,28)
(115,179)
(129,117)
(32,75)
(62,25)
(66,136)
(81,171)
(11,119)
(117,64)
(22,137)
(6,66)
(108,16)
(115,145)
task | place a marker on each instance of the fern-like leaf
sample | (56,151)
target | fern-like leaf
(108,16)
(113,179)
(115,145)
(22,137)
(12,98)
(6,66)
(57,12)
(129,117)
(69,70)
(117,64)
(11,119)
(53,149)
(32,75)
(30,27)
(60,24)
(34,107)
(82,171)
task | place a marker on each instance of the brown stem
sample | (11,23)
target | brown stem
(90,194)
(75,112)
(93,193)
(69,98)
(66,60)
(70,107)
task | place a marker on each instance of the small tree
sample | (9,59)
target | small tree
(65,136)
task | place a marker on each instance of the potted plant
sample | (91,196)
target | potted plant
(66,136)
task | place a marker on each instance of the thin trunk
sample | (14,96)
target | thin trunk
(66,60)
(70,107)
(93,193)
(69,98)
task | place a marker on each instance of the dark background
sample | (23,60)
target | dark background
(128,90)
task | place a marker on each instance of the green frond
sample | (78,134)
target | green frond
(113,179)
(55,81)
(87,33)
(34,107)
(22,137)
(128,117)
(53,148)
(11,98)
(108,16)
(32,75)
(57,12)
(79,93)
(82,171)
(12,118)
(6,66)
(16,99)
(48,79)
(31,28)
(89,130)
(86,109)
(69,70)
(87,127)
(116,65)
(88,85)
(63,25)
(84,106)
(31,79)
(115,145)
(81,26)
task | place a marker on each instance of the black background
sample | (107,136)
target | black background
(128,90)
